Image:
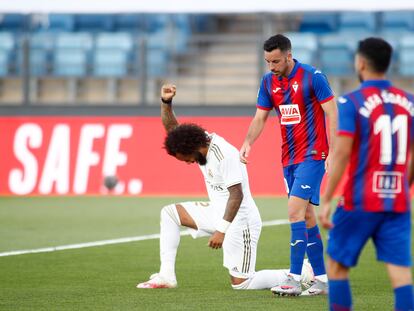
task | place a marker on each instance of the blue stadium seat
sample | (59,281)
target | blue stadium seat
(157,22)
(110,63)
(181,32)
(357,22)
(160,39)
(128,22)
(42,40)
(319,22)
(14,22)
(72,54)
(336,54)
(157,62)
(115,40)
(39,62)
(94,22)
(304,46)
(7,49)
(78,40)
(61,22)
(406,56)
(70,63)
(397,22)
(112,54)
(7,41)
(203,22)
(4,63)
(41,47)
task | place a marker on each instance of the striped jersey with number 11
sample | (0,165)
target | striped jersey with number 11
(379,117)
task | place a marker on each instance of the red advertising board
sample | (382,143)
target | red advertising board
(71,156)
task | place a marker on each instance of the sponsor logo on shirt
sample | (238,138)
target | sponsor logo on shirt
(290,114)
(387,184)
(216,187)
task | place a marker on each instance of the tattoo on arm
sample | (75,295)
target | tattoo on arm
(233,203)
(168,118)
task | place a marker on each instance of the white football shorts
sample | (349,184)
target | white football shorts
(240,242)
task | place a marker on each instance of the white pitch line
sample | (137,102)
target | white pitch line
(276,222)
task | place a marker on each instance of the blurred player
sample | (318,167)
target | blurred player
(230,218)
(374,135)
(301,96)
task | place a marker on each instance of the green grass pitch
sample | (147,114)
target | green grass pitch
(104,278)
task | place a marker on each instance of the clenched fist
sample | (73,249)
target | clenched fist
(168,92)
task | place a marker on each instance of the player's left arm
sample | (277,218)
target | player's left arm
(340,159)
(331,111)
(232,207)
(326,98)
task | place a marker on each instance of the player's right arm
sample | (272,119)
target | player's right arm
(168,118)
(411,167)
(232,207)
(255,129)
(264,106)
(340,158)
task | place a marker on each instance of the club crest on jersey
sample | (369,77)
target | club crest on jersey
(295,86)
(290,114)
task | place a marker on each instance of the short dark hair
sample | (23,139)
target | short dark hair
(186,139)
(277,42)
(377,52)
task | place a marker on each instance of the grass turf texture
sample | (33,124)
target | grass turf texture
(104,278)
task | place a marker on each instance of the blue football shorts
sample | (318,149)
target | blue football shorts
(390,232)
(304,179)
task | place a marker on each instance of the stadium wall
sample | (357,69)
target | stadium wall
(70,155)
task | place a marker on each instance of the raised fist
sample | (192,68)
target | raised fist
(168,92)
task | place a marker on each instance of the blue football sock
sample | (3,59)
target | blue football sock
(404,298)
(340,297)
(314,251)
(299,239)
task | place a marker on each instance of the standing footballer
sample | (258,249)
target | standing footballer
(375,135)
(301,96)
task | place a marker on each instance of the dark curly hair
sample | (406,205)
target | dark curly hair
(186,139)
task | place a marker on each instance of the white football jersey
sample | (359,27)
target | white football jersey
(224,169)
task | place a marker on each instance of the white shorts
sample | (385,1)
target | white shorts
(240,242)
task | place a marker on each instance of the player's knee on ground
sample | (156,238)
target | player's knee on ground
(170,211)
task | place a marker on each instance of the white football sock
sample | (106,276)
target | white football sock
(263,279)
(323,278)
(169,240)
(296,277)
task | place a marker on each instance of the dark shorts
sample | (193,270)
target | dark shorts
(390,232)
(304,179)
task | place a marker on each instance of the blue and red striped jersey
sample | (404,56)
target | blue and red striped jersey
(297,100)
(379,117)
